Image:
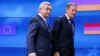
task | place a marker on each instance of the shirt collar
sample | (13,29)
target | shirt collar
(67,16)
(41,16)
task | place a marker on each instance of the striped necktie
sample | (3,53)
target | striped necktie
(47,24)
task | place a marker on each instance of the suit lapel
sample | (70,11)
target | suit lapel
(43,24)
(68,24)
(65,19)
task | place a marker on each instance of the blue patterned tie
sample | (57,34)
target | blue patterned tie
(47,24)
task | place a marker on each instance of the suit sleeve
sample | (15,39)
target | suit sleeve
(33,29)
(55,35)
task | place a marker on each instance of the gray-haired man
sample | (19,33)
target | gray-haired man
(39,37)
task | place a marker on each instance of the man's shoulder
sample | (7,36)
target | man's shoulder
(35,17)
(60,18)
(33,20)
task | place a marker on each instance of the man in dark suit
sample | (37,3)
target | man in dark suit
(39,37)
(63,33)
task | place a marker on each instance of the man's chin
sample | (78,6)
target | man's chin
(47,16)
(72,16)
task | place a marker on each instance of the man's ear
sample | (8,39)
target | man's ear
(66,10)
(39,9)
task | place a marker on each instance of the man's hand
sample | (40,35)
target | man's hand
(32,54)
(56,54)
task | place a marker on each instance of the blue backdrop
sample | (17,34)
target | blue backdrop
(17,13)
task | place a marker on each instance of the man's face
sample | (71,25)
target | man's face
(45,10)
(71,11)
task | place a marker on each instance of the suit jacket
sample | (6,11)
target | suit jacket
(39,37)
(62,37)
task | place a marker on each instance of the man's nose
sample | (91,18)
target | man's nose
(49,11)
(74,12)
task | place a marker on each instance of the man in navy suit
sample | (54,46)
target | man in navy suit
(63,33)
(39,37)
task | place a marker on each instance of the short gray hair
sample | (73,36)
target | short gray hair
(43,3)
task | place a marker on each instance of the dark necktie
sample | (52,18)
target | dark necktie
(71,23)
(47,24)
